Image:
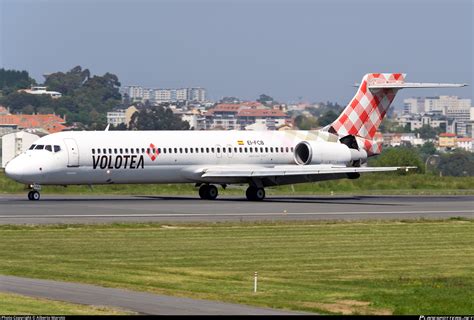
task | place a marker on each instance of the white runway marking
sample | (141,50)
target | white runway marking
(225,214)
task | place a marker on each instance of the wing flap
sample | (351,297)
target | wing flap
(229,172)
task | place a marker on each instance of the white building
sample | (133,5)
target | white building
(121,116)
(42,90)
(197,94)
(135,93)
(413,105)
(443,103)
(16,143)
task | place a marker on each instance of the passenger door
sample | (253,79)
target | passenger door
(72,152)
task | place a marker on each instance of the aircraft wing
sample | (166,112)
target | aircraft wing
(289,170)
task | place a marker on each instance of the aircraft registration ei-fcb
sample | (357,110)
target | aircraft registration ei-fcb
(208,158)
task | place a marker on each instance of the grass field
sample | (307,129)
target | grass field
(413,267)
(371,183)
(13,304)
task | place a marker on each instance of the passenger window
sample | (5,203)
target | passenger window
(170,150)
(202,150)
(48,148)
(212,150)
(240,149)
(137,150)
(126,150)
(143,150)
(121,150)
(245,149)
(218,150)
(104,151)
(180,150)
(175,150)
(207,150)
(197,150)
(282,149)
(276,149)
(287,149)
(230,150)
(185,150)
(266,149)
(131,150)
(39,147)
(164,150)
(235,149)
(261,150)
(32,147)
(93,151)
(98,150)
(191,150)
(57,148)
(110,151)
(115,150)
(147,150)
(159,150)
(292,149)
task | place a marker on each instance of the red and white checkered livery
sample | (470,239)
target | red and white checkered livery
(367,109)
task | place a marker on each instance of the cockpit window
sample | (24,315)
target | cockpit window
(39,147)
(48,148)
(57,148)
(32,146)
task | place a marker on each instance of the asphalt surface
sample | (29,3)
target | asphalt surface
(103,209)
(139,302)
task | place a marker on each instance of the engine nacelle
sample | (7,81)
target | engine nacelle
(312,152)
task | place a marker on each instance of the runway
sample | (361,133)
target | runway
(102,209)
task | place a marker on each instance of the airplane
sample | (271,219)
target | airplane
(258,159)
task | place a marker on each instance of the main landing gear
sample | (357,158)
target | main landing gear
(255,193)
(34,194)
(209,192)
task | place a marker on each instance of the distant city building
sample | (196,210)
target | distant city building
(42,91)
(243,116)
(416,121)
(158,95)
(455,109)
(465,144)
(447,140)
(50,123)
(121,116)
(16,143)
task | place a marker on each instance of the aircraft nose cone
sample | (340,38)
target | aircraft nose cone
(13,170)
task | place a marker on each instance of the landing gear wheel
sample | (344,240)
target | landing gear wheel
(33,195)
(208,192)
(212,192)
(255,194)
(203,191)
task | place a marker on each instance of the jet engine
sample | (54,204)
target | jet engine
(319,152)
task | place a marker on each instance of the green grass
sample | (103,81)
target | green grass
(13,304)
(401,267)
(371,183)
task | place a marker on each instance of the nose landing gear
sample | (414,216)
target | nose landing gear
(34,194)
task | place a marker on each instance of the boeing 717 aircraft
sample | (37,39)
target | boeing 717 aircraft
(210,158)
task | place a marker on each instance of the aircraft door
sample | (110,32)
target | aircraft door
(72,152)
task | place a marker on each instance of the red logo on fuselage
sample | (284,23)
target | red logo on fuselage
(152,152)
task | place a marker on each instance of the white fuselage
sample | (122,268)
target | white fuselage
(106,157)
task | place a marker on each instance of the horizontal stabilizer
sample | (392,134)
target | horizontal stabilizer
(415,85)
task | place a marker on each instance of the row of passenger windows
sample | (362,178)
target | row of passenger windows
(193,150)
(45,147)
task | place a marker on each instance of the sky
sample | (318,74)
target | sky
(293,50)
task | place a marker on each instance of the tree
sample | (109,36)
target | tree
(327,118)
(428,132)
(459,163)
(399,157)
(157,118)
(428,148)
(305,123)
(12,80)
(266,100)
(68,82)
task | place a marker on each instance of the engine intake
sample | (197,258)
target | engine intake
(311,152)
